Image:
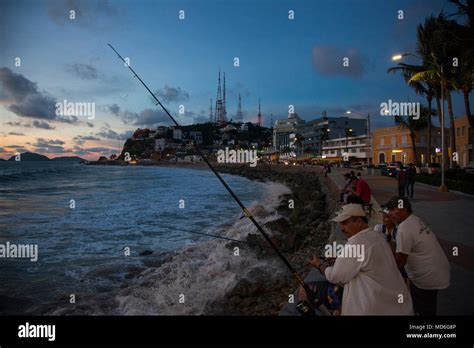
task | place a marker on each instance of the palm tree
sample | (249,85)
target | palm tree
(427,86)
(422,87)
(465,40)
(413,126)
(442,49)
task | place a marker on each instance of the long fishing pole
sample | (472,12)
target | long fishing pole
(247,213)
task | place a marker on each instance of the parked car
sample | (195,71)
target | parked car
(394,164)
(346,164)
(357,165)
(430,168)
(380,166)
(389,171)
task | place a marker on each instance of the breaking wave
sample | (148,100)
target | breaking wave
(202,272)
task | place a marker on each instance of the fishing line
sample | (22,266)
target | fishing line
(247,213)
(230,239)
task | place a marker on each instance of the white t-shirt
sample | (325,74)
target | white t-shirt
(373,284)
(427,265)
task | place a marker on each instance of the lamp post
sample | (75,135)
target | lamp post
(348,132)
(440,67)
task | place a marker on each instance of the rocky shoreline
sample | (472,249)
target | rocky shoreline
(301,231)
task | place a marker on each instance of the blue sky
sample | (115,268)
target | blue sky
(282,62)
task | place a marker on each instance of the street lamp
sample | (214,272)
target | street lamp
(440,67)
(348,132)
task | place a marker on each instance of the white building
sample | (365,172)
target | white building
(357,148)
(282,131)
(189,159)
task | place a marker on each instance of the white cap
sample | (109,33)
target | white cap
(348,211)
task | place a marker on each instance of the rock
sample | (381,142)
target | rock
(146,252)
(280,225)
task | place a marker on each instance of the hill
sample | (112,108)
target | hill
(30,156)
(68,159)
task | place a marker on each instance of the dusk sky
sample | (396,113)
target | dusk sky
(282,62)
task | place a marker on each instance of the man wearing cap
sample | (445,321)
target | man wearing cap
(419,251)
(372,283)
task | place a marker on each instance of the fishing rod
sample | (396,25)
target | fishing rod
(247,213)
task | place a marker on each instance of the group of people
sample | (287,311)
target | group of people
(406,180)
(355,190)
(403,265)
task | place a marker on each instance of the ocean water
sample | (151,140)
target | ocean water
(82,251)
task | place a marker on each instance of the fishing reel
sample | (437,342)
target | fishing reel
(305,308)
(322,296)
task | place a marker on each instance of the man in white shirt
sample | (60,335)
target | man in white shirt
(420,252)
(372,283)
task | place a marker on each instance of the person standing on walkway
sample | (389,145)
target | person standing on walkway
(410,179)
(419,251)
(389,229)
(348,179)
(402,180)
(372,283)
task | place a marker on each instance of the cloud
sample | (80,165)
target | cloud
(34,124)
(52,146)
(114,109)
(147,117)
(83,71)
(91,150)
(26,100)
(113,135)
(328,61)
(172,94)
(41,142)
(42,125)
(18,124)
(81,139)
(87,13)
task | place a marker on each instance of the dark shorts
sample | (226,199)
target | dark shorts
(424,301)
